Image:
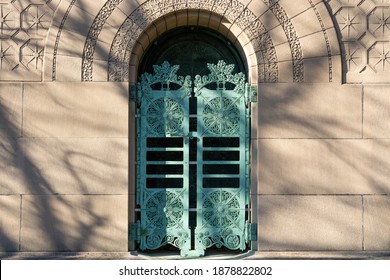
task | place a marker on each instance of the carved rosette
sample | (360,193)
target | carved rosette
(165,116)
(164,220)
(221,215)
(221,116)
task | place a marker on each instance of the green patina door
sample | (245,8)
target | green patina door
(193,159)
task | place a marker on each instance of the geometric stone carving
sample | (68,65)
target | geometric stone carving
(365,33)
(151,10)
(235,11)
(23,27)
(296,51)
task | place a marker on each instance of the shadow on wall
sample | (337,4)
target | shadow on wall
(320,177)
(52,197)
(56,184)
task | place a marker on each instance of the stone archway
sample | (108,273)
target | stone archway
(273,36)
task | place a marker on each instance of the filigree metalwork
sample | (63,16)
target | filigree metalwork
(220,73)
(222,220)
(221,116)
(220,209)
(163,221)
(164,196)
(221,238)
(164,209)
(165,116)
(164,75)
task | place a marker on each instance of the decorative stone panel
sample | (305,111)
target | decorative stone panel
(124,29)
(364,27)
(23,27)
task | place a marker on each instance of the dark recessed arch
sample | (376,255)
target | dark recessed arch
(192,47)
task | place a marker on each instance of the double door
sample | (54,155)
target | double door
(193,160)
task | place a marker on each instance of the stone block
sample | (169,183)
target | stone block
(337,70)
(78,20)
(11,173)
(127,7)
(278,36)
(306,23)
(76,110)
(308,110)
(318,69)
(376,111)
(91,7)
(10,110)
(9,223)
(66,69)
(117,17)
(75,165)
(314,45)
(299,166)
(71,44)
(323,13)
(215,21)
(285,72)
(10,131)
(283,52)
(171,21)
(269,19)
(107,35)
(94,223)
(377,223)
(258,7)
(100,73)
(310,223)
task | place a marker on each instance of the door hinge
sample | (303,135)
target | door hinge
(135,231)
(252,232)
(251,93)
(133,93)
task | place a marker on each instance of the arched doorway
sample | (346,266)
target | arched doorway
(192,47)
(193,144)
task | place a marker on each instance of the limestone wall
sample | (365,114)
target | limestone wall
(320,129)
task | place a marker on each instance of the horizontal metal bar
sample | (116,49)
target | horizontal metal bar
(191,209)
(228,149)
(221,162)
(222,176)
(165,162)
(167,149)
(162,176)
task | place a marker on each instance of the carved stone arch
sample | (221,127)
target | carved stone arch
(274,36)
(126,53)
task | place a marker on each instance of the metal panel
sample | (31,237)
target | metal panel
(163,127)
(222,115)
(193,160)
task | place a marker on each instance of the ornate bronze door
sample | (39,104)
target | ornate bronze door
(193,160)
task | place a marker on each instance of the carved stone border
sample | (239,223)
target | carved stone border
(326,37)
(149,11)
(144,15)
(289,30)
(57,42)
